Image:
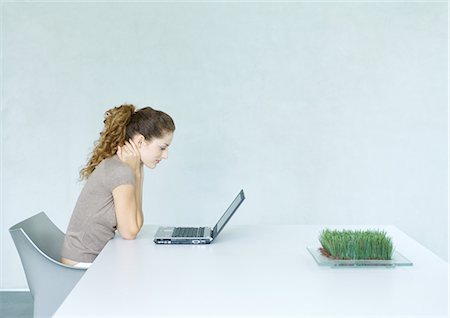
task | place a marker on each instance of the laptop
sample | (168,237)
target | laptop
(197,235)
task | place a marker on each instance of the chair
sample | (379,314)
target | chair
(39,244)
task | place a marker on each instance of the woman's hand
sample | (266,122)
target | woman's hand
(129,153)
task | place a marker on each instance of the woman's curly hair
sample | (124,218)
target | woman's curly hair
(122,123)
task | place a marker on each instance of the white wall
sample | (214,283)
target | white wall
(325,113)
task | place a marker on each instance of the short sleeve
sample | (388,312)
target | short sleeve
(117,173)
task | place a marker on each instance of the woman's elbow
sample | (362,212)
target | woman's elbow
(129,234)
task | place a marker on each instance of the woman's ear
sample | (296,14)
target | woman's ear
(139,140)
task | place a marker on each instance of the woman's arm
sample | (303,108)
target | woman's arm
(128,215)
(127,197)
(139,179)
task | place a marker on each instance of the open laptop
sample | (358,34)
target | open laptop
(197,235)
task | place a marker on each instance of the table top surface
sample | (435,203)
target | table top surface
(255,271)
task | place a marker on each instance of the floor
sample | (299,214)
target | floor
(16,304)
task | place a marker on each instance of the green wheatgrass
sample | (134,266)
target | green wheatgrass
(356,245)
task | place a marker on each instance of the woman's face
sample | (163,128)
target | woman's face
(153,151)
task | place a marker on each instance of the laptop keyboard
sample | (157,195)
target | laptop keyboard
(188,232)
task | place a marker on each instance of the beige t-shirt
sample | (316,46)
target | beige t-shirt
(93,222)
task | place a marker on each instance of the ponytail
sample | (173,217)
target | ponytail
(112,136)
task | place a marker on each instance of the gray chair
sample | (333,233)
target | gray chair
(39,244)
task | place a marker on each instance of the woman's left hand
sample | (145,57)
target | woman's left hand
(129,153)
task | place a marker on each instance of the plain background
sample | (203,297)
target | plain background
(324,113)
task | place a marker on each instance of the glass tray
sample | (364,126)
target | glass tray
(397,260)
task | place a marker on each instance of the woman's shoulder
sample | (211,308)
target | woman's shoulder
(116,172)
(114,160)
(114,163)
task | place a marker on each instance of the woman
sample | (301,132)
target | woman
(112,196)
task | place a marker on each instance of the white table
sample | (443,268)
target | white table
(254,271)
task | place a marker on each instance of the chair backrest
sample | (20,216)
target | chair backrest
(39,244)
(43,233)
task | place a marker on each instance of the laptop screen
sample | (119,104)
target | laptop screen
(228,213)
